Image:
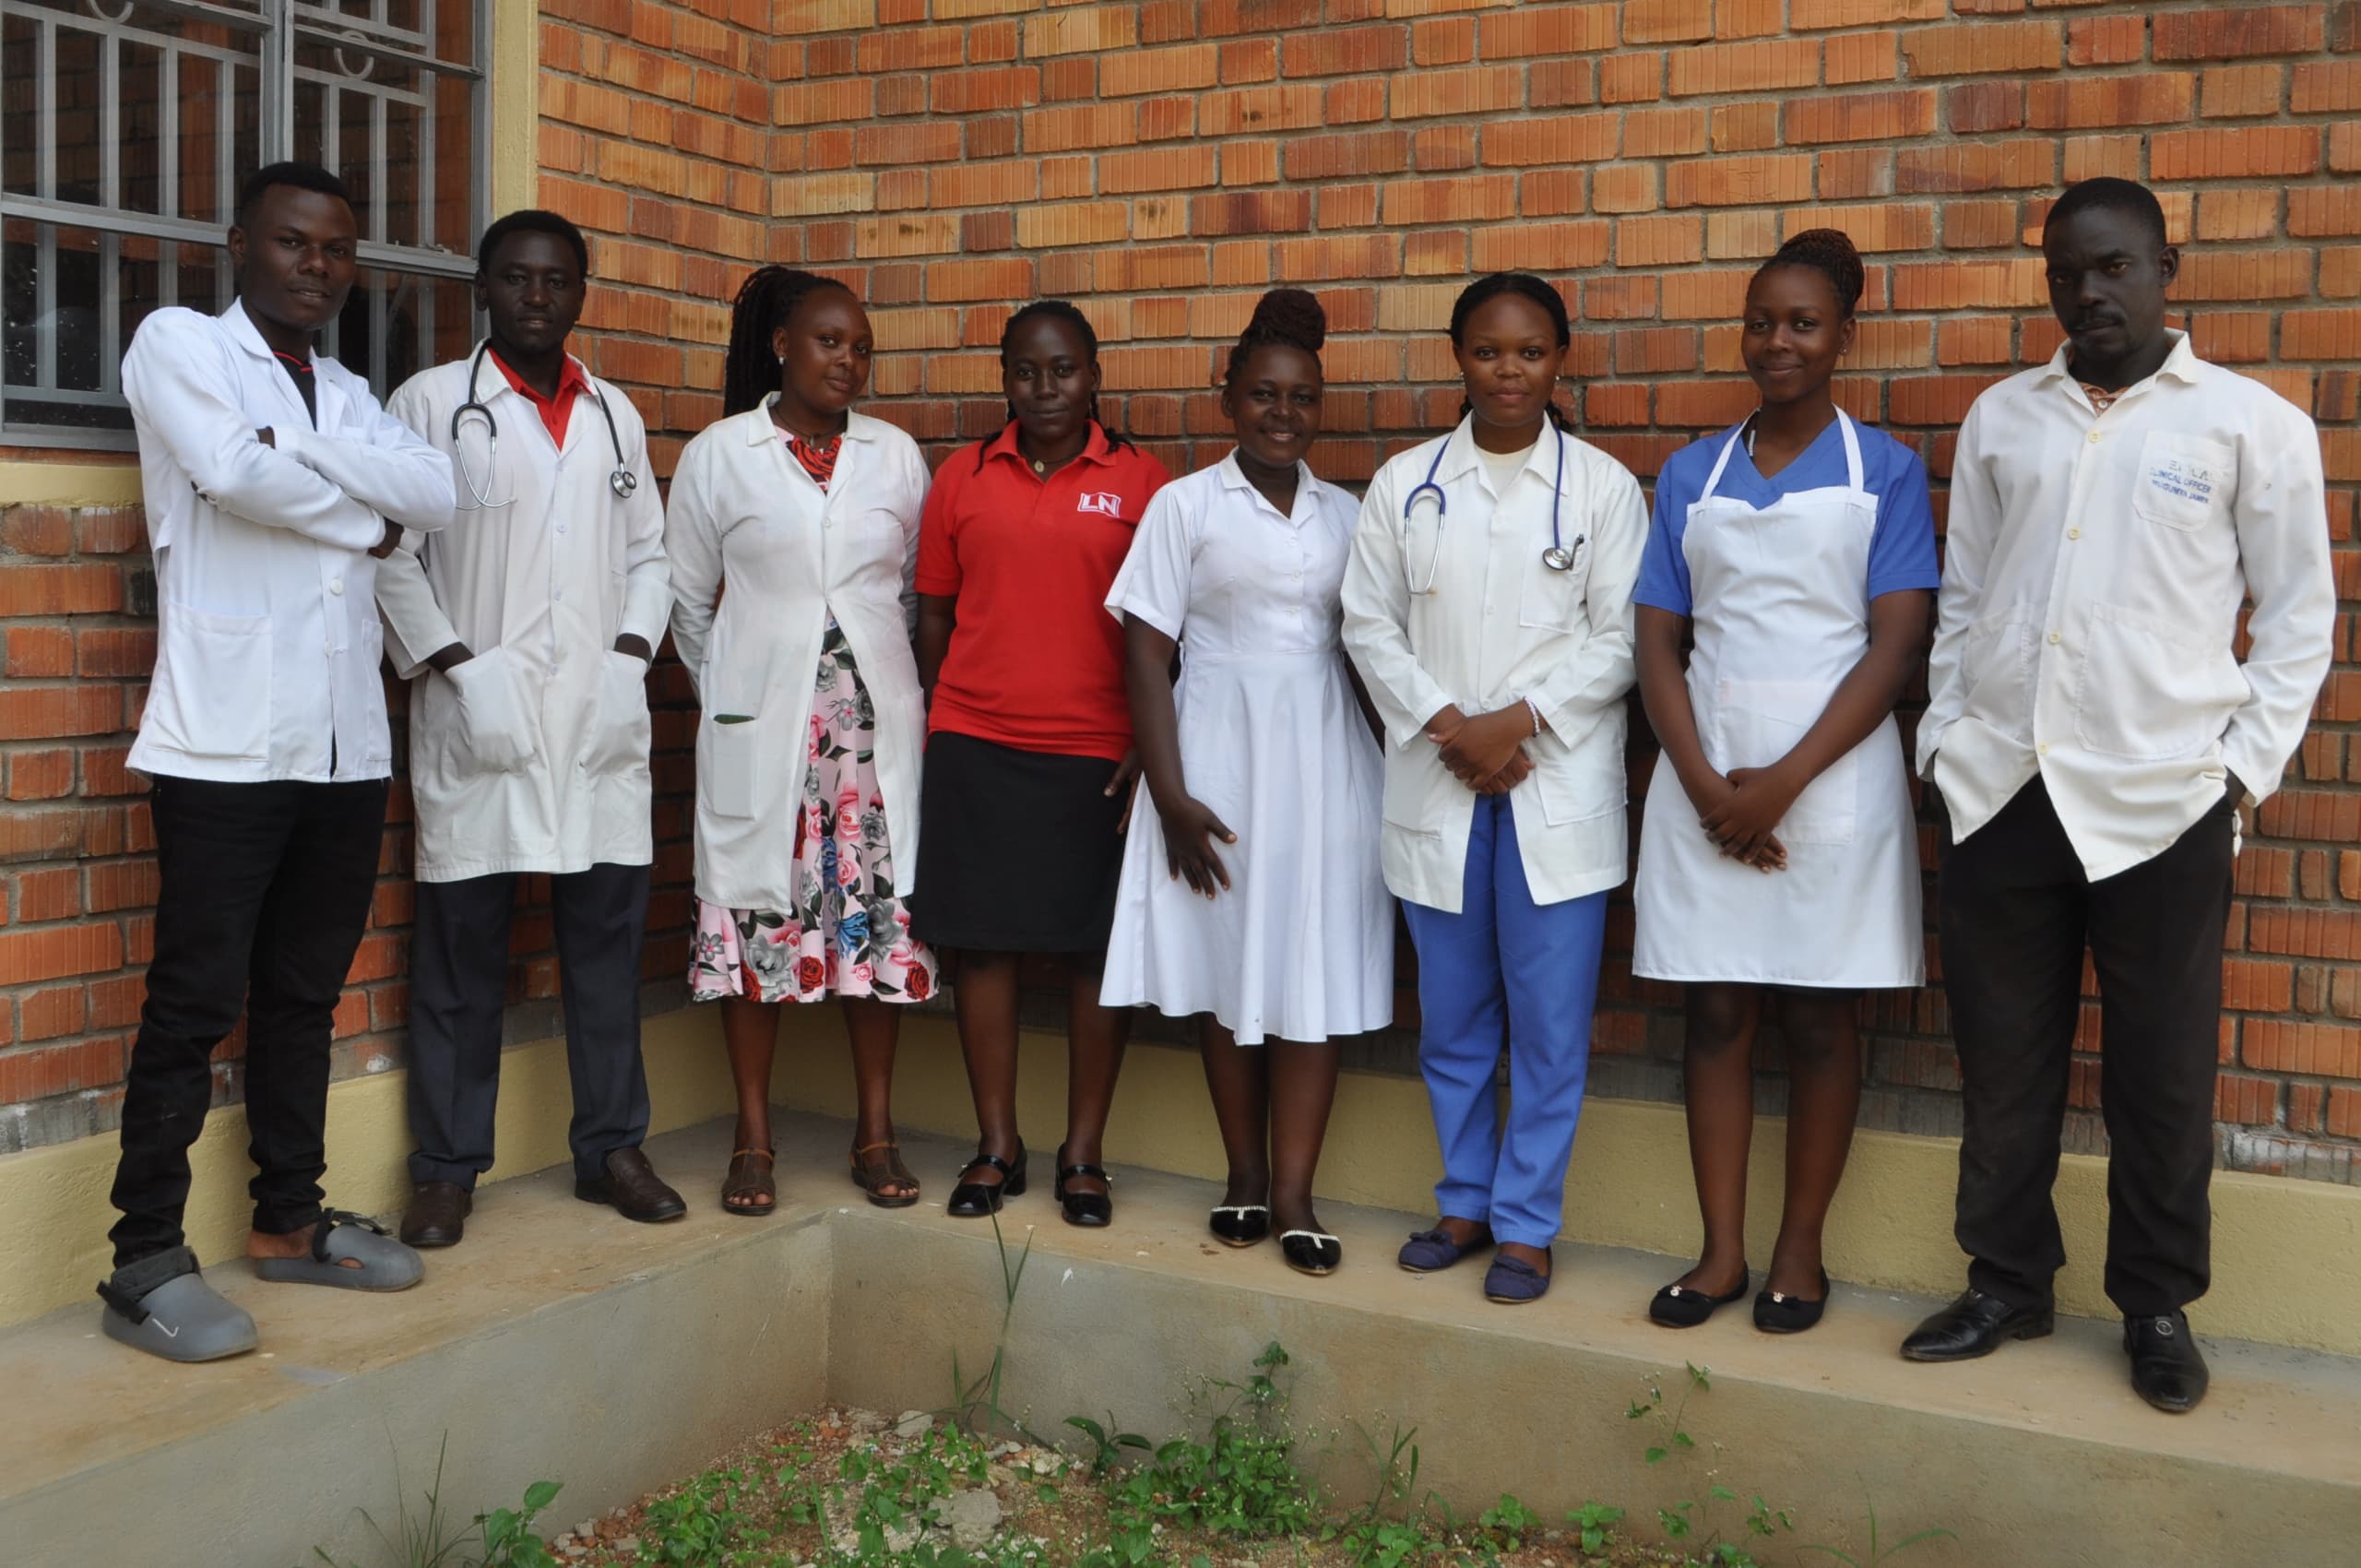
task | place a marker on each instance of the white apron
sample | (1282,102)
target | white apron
(1780,598)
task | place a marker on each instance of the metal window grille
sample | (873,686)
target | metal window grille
(126,126)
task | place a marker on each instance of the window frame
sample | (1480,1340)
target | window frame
(278,26)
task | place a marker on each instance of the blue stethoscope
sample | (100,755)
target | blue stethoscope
(1558,557)
(622,482)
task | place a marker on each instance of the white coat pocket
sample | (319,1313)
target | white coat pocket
(497,728)
(1553,600)
(2151,689)
(729,781)
(1756,723)
(618,737)
(211,696)
(2185,481)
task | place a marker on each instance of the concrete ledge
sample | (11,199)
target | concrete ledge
(562,1342)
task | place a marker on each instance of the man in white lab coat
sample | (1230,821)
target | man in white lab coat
(272,482)
(2094,734)
(527,629)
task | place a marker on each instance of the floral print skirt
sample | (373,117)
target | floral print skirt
(848,934)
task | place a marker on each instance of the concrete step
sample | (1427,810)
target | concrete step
(562,1342)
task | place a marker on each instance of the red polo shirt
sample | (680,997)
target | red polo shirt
(1037,662)
(556,413)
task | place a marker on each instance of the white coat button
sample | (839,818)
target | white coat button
(2055,639)
(2094,438)
(328,649)
(336,586)
(561,527)
(559,596)
(2073,533)
(2043,748)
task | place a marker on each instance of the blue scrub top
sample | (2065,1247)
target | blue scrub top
(1902,548)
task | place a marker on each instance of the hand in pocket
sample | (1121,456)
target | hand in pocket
(618,733)
(496,727)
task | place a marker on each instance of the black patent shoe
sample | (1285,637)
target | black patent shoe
(975,1200)
(1311,1252)
(1777,1312)
(1088,1209)
(1682,1306)
(1975,1324)
(2167,1370)
(1239,1225)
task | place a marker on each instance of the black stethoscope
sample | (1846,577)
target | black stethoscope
(1558,557)
(622,482)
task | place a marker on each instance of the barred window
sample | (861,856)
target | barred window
(126,128)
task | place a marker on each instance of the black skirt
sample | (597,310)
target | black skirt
(1018,850)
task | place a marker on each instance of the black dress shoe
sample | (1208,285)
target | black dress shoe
(1975,1325)
(437,1215)
(1777,1312)
(1088,1209)
(1680,1306)
(975,1200)
(1239,1225)
(2167,1367)
(1311,1252)
(634,1190)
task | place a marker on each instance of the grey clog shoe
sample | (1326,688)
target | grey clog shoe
(179,1319)
(377,1262)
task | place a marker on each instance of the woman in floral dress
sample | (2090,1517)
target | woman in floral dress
(802,517)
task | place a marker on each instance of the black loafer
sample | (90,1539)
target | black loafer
(1776,1312)
(632,1186)
(975,1200)
(437,1215)
(1239,1225)
(2167,1367)
(1088,1209)
(1678,1306)
(1975,1324)
(1311,1252)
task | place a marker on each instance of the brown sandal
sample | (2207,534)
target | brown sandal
(870,1177)
(747,1180)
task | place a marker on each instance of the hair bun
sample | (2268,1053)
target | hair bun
(1832,250)
(1289,315)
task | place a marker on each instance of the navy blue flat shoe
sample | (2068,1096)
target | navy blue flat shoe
(1429,1251)
(1513,1282)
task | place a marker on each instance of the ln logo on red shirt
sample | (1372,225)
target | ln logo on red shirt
(1102,502)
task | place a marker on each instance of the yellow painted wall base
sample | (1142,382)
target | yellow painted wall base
(2286,1254)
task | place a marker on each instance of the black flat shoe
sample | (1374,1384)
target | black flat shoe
(1975,1324)
(975,1200)
(1239,1225)
(1088,1209)
(1680,1306)
(1776,1312)
(2167,1370)
(1311,1252)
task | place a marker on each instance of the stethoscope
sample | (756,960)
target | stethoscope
(1558,557)
(622,482)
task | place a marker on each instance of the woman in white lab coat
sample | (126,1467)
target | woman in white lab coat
(1778,856)
(808,749)
(1488,606)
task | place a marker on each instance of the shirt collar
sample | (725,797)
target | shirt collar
(761,427)
(1234,478)
(246,335)
(573,381)
(2180,365)
(1459,453)
(1096,450)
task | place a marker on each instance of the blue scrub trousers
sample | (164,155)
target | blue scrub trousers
(1506,966)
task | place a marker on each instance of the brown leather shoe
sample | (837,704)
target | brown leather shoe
(438,1214)
(633,1186)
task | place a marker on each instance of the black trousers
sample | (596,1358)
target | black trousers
(458,985)
(265,891)
(2017,914)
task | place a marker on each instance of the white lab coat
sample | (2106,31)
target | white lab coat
(1499,626)
(745,514)
(267,624)
(538,585)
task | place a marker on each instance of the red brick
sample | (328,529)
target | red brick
(2326,89)
(2249,153)
(53,951)
(1865,117)
(1983,48)
(2106,41)
(1744,67)
(1548,31)
(2251,29)
(37,530)
(2150,99)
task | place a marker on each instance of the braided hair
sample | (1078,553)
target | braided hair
(1067,312)
(1526,285)
(1288,318)
(1827,251)
(764,302)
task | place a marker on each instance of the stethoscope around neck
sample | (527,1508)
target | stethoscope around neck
(1558,557)
(622,482)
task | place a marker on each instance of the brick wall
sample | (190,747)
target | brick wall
(1163,163)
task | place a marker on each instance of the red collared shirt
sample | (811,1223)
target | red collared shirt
(556,413)
(1037,663)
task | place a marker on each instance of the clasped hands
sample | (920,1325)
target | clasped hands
(1739,812)
(1486,753)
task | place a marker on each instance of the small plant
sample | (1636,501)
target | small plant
(1692,1520)
(431,1539)
(1106,1444)
(1594,1527)
(979,1400)
(704,1523)
(1512,1518)
(1880,1555)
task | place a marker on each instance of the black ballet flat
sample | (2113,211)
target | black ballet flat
(1311,1252)
(1090,1209)
(1776,1313)
(975,1200)
(1678,1306)
(1239,1225)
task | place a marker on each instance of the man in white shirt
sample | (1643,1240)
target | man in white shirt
(272,481)
(527,630)
(2094,733)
